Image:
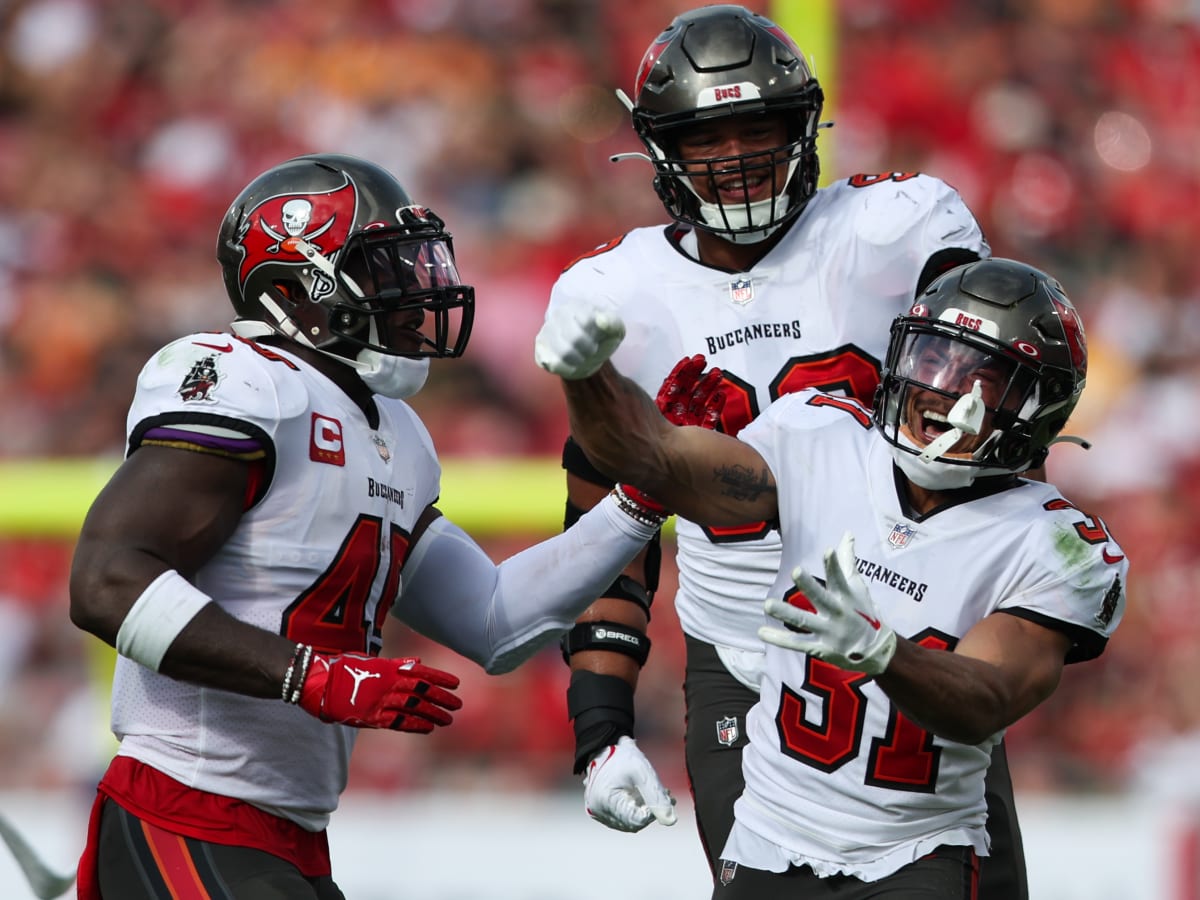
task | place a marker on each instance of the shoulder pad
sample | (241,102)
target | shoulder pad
(811,409)
(907,206)
(222,375)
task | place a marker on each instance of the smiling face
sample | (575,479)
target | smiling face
(940,371)
(735,160)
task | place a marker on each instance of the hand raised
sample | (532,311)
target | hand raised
(691,396)
(573,343)
(842,626)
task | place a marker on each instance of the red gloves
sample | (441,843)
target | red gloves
(369,692)
(691,396)
(688,396)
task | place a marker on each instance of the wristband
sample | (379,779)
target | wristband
(636,511)
(627,519)
(602,709)
(156,618)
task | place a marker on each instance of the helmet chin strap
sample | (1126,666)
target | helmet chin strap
(925,468)
(934,475)
(718,216)
(965,417)
(398,377)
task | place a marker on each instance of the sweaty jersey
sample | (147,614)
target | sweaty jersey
(836,777)
(814,312)
(316,557)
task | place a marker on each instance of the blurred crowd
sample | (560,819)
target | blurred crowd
(1071,128)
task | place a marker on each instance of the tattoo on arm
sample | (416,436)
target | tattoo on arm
(742,483)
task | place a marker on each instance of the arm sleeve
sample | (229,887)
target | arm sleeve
(501,615)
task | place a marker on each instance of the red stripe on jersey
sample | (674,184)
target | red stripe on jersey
(595,251)
(175,864)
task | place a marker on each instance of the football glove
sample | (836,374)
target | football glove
(842,627)
(688,396)
(574,342)
(370,692)
(691,396)
(621,789)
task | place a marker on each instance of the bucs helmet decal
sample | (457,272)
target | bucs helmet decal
(330,251)
(271,229)
(1073,333)
(653,52)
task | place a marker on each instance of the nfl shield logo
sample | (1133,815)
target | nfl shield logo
(741,290)
(727,731)
(728,870)
(901,535)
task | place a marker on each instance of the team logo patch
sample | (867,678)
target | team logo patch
(901,535)
(964,319)
(325,444)
(273,230)
(727,731)
(728,870)
(728,93)
(741,290)
(1109,607)
(381,445)
(201,380)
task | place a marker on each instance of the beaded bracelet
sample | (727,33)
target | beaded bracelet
(302,673)
(635,510)
(287,676)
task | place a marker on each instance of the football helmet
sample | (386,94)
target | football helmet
(981,374)
(719,62)
(331,252)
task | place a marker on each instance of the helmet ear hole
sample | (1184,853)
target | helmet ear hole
(347,322)
(288,291)
(1012,448)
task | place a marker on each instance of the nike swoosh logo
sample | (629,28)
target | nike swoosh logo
(220,348)
(874,623)
(1110,559)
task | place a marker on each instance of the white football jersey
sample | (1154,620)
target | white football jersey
(836,777)
(316,557)
(814,312)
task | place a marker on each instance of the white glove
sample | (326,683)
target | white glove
(843,627)
(573,343)
(622,790)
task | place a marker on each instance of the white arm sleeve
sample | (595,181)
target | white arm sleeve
(500,616)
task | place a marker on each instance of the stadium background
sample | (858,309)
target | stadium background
(1071,127)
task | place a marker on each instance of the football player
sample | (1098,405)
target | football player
(276,503)
(928,595)
(783,286)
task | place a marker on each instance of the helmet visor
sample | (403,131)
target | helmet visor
(951,367)
(934,369)
(408,297)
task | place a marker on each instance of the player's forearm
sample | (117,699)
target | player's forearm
(499,616)
(956,697)
(617,425)
(607,611)
(704,476)
(548,586)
